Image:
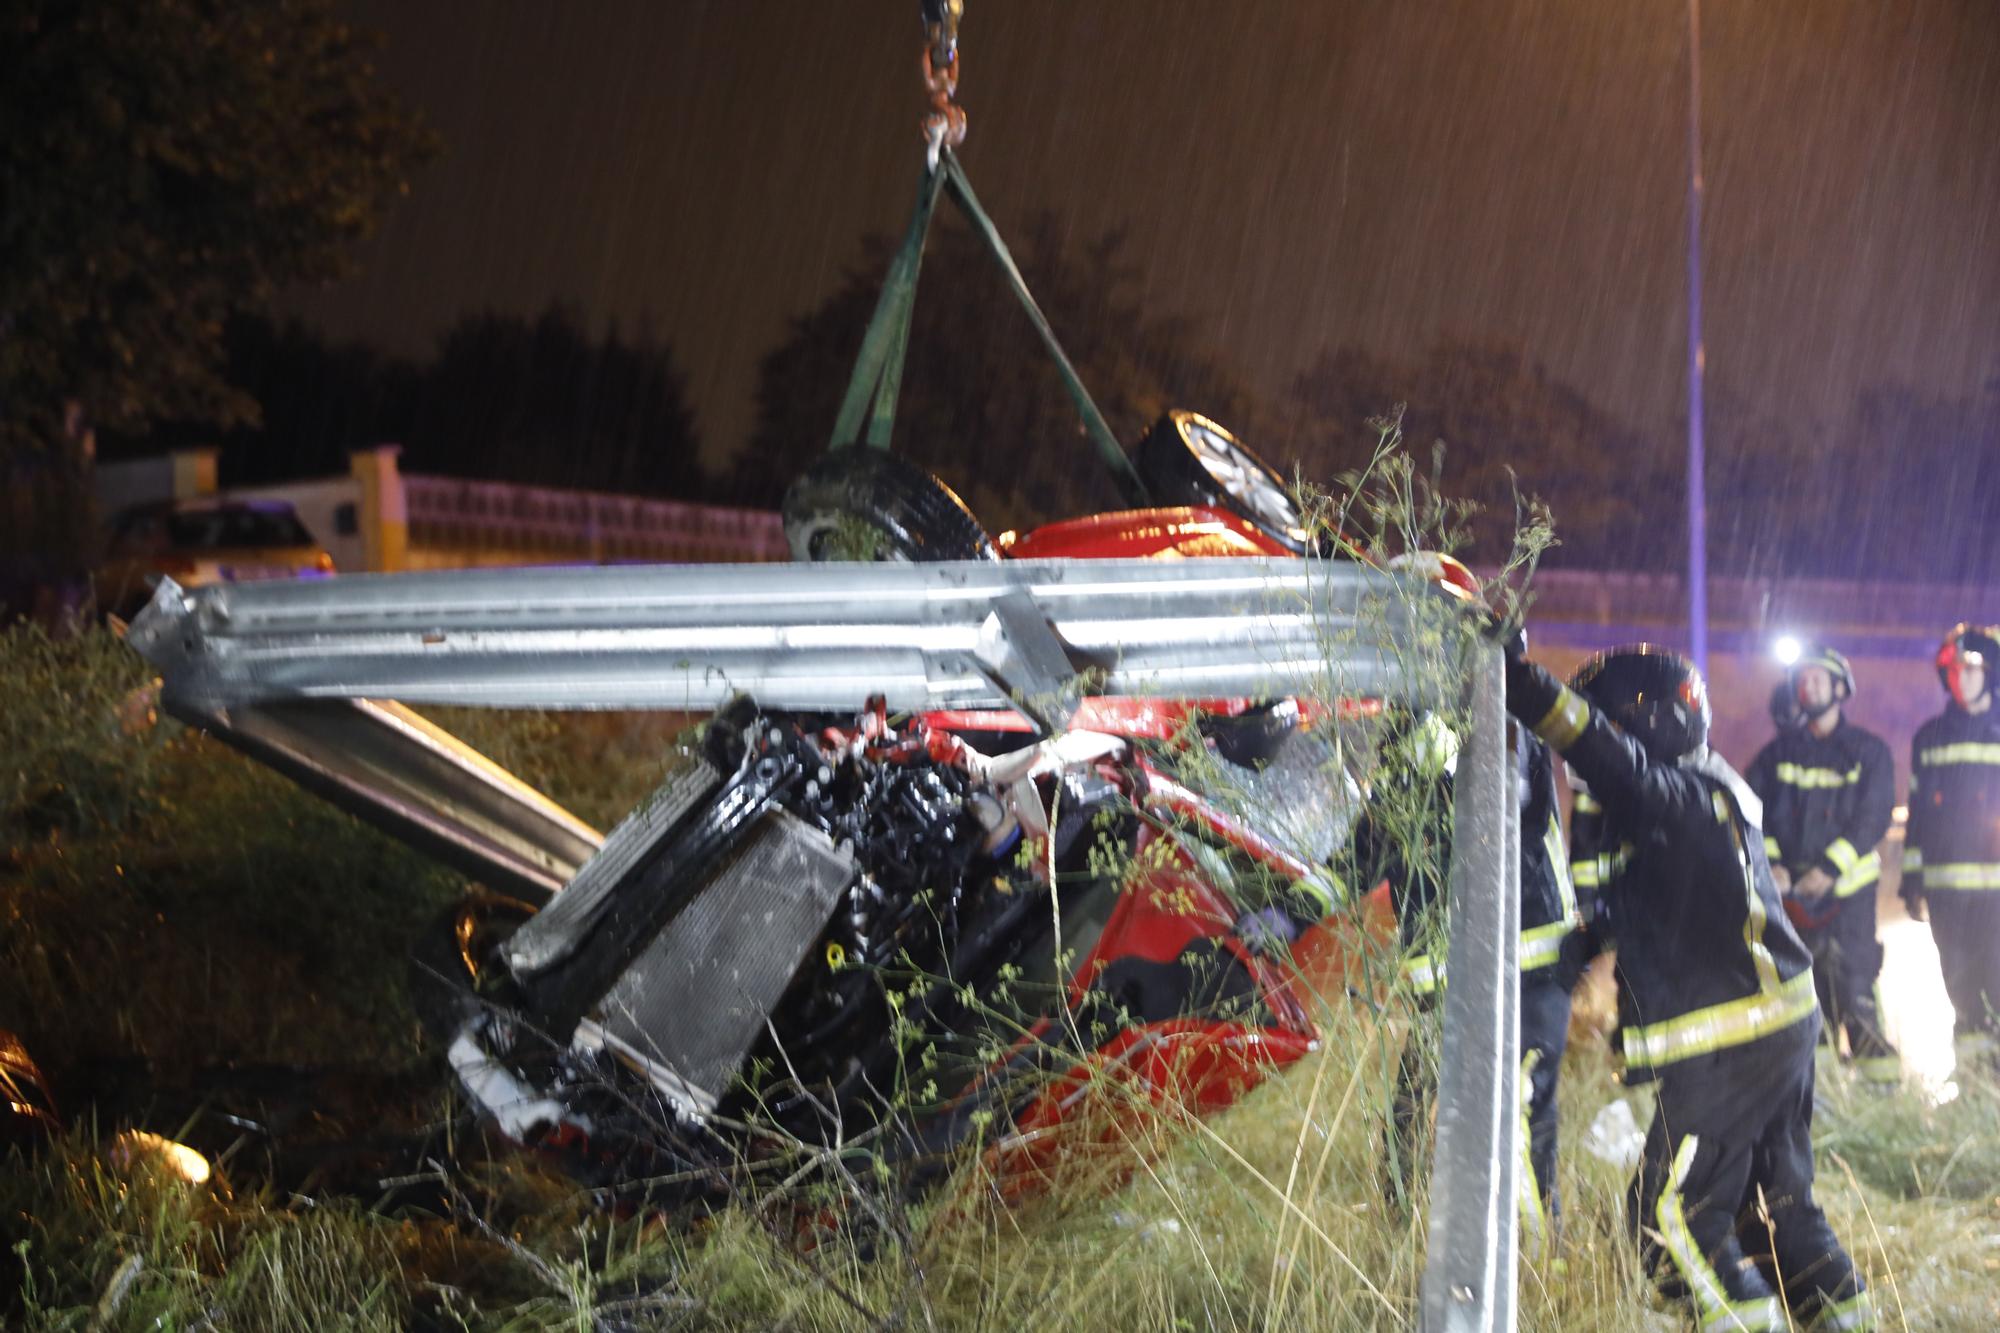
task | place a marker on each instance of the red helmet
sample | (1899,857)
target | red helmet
(1968,645)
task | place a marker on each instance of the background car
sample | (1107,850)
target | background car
(204,541)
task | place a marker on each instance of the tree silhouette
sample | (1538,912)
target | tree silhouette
(505,398)
(982,404)
(1503,422)
(540,401)
(164,165)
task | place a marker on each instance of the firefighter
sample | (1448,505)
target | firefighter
(1828,789)
(1716,999)
(1951,854)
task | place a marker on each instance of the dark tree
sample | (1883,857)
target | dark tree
(540,401)
(165,164)
(982,404)
(1503,422)
(316,402)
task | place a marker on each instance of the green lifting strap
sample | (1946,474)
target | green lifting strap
(878,372)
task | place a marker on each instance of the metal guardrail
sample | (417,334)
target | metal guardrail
(274,664)
(1472,1252)
(794,636)
(416,782)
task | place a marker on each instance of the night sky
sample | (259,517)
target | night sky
(1295,173)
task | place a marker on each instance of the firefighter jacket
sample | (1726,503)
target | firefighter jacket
(1413,853)
(1953,840)
(1550,920)
(1597,857)
(1827,803)
(1706,957)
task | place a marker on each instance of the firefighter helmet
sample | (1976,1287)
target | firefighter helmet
(1654,695)
(1829,660)
(1968,645)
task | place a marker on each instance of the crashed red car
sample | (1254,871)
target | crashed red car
(924,930)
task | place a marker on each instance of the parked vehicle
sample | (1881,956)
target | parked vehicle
(204,541)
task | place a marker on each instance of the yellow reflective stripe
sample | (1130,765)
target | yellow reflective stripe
(1772,852)
(1859,876)
(1913,859)
(1754,916)
(1586,804)
(1542,945)
(1552,846)
(1963,752)
(1712,1305)
(1758,1316)
(1594,872)
(1841,852)
(1854,1315)
(1328,896)
(1534,1222)
(1565,720)
(1422,974)
(1732,1023)
(1799,775)
(1963,875)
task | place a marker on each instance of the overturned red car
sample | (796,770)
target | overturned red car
(923,931)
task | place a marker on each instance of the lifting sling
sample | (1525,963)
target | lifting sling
(877,378)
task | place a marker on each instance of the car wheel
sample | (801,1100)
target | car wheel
(866,504)
(1188,459)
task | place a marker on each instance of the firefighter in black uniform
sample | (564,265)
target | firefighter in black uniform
(1829,789)
(1550,956)
(1715,999)
(1951,853)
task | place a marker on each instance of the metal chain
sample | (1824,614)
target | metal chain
(944,124)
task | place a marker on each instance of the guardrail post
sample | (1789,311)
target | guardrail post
(1470,1267)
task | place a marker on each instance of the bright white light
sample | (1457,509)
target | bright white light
(1786,649)
(182,1160)
(1916,1012)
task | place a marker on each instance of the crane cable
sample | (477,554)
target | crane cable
(877,379)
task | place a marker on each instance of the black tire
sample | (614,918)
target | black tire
(1170,462)
(915,517)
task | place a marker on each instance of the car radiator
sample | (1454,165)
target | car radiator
(693,1003)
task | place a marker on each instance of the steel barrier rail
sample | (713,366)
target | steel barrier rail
(793,636)
(269,663)
(1471,1255)
(416,782)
